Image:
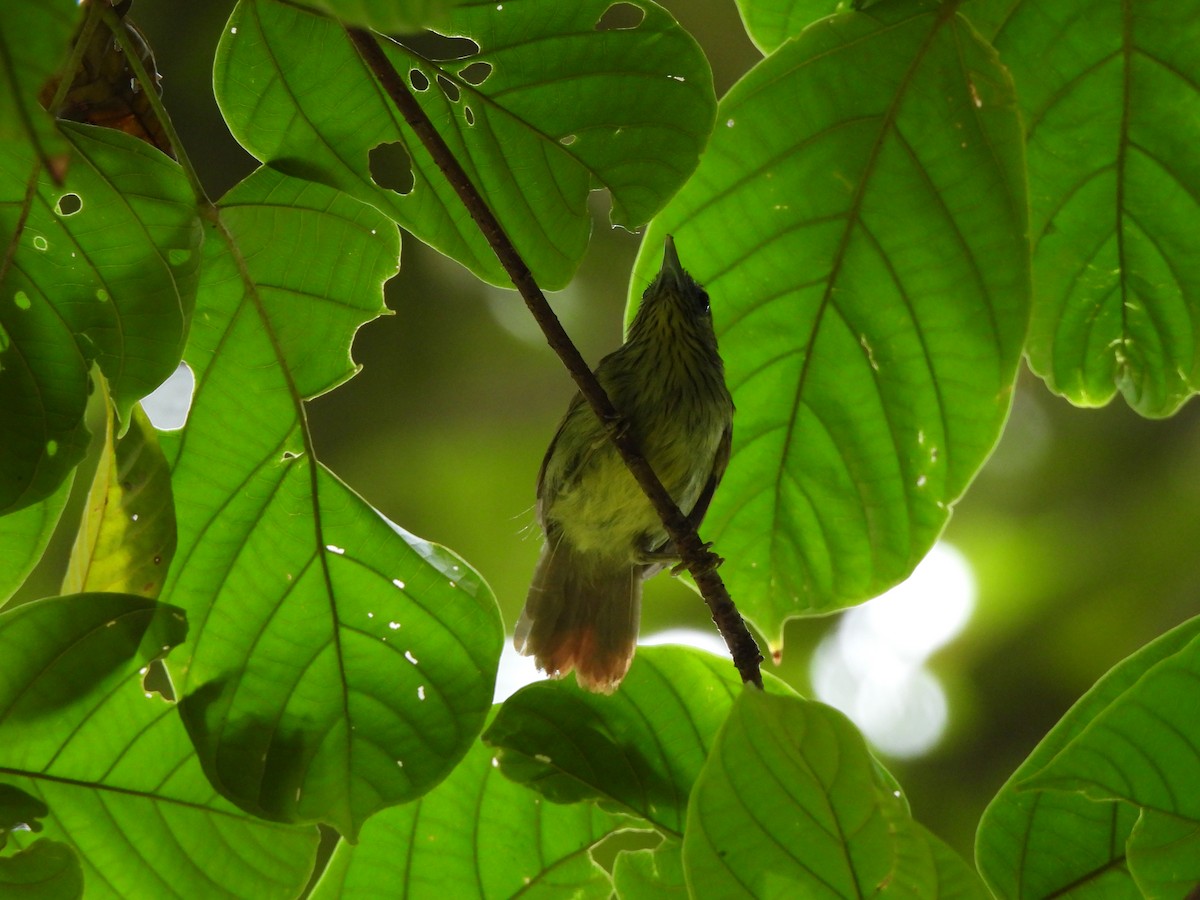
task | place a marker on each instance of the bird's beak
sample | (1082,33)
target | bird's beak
(671,267)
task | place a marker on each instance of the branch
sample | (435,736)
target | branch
(695,556)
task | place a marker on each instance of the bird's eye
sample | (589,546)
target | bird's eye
(702,303)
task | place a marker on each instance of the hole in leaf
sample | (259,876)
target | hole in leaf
(68,204)
(434,46)
(449,88)
(476,73)
(391,168)
(620,17)
(469,115)
(418,80)
(157,680)
(168,404)
(567,140)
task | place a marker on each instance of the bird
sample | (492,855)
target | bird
(602,535)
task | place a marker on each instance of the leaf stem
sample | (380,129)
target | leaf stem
(693,553)
(132,57)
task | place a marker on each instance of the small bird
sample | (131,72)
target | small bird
(603,537)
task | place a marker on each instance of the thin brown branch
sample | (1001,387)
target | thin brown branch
(695,556)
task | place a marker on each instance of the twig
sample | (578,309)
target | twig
(697,558)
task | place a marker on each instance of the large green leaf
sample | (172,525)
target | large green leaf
(638,751)
(1034,843)
(477,834)
(791,804)
(114,765)
(337,664)
(548,109)
(859,222)
(1111,97)
(102,269)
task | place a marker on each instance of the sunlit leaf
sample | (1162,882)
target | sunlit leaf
(337,665)
(103,270)
(859,222)
(46,870)
(638,750)
(771,22)
(388,16)
(1114,184)
(477,834)
(24,535)
(127,534)
(114,765)
(549,108)
(1034,843)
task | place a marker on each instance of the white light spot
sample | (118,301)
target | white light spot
(370,615)
(400,763)
(872,666)
(334,549)
(975,98)
(134,517)
(233,30)
(452,584)
(514,672)
(495,762)
(143,670)
(409,656)
(543,758)
(729,123)
(420,692)
(920,481)
(394,625)
(398,583)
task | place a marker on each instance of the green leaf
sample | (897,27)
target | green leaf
(1034,843)
(477,834)
(651,874)
(862,240)
(111,282)
(789,804)
(47,870)
(24,536)
(1114,180)
(127,534)
(547,110)
(638,751)
(34,37)
(61,650)
(771,22)
(1143,747)
(338,665)
(114,765)
(390,16)
(1164,855)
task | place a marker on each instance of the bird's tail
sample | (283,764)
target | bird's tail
(581,614)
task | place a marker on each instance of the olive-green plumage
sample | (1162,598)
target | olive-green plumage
(602,535)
